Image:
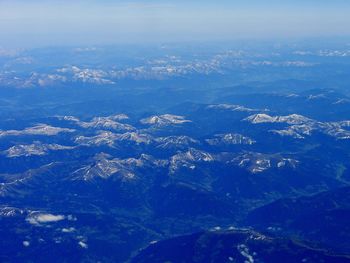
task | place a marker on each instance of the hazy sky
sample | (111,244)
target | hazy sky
(40,22)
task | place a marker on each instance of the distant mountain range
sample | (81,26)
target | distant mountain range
(233,246)
(175,155)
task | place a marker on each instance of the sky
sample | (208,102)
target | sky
(67,22)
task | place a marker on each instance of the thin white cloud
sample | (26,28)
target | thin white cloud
(68,230)
(26,243)
(41,218)
(83,244)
